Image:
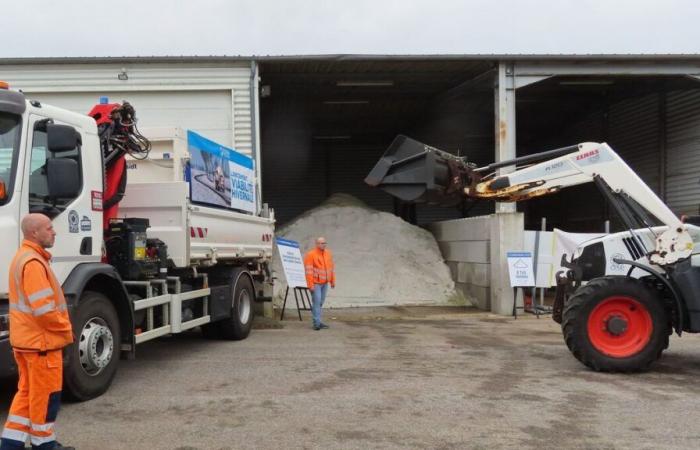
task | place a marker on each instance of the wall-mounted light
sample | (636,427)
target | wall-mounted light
(586,82)
(345,102)
(265,91)
(365,83)
(123,75)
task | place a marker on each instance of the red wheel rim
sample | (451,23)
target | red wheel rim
(619,327)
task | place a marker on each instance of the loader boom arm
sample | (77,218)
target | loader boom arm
(415,172)
(591,162)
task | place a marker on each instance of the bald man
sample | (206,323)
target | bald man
(39,329)
(320,272)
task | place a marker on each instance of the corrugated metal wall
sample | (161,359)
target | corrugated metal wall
(210,98)
(634,128)
(683,151)
(567,210)
(638,129)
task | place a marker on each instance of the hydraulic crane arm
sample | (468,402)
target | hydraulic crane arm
(404,174)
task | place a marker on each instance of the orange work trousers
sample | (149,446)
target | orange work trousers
(35,406)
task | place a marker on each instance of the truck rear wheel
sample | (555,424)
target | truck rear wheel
(94,356)
(616,324)
(238,326)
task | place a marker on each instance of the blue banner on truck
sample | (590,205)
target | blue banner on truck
(220,176)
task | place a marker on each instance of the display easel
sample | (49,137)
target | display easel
(535,309)
(521,276)
(300,293)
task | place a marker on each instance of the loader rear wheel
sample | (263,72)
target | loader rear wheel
(616,324)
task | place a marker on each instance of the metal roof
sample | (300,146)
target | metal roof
(350,57)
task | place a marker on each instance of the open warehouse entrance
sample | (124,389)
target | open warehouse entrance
(326,122)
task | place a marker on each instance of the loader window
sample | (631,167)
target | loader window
(39,200)
(9,146)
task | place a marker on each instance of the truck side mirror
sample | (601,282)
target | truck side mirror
(63,177)
(61,138)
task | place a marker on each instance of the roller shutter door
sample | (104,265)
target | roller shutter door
(633,132)
(683,151)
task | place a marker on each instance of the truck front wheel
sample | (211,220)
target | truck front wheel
(94,356)
(616,324)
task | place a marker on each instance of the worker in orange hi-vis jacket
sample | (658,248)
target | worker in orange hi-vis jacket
(39,329)
(320,272)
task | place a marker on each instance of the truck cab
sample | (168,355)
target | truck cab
(43,168)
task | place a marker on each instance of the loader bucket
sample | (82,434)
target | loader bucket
(414,172)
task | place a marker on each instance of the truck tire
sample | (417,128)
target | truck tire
(237,327)
(94,356)
(616,324)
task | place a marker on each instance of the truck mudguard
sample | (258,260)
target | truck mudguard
(105,279)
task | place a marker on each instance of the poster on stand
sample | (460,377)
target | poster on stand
(292,263)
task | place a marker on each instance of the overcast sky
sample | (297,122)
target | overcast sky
(296,27)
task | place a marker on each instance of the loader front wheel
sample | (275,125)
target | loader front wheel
(616,324)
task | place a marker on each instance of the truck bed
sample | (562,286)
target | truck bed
(197,234)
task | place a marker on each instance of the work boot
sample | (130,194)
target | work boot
(323,325)
(317,327)
(62,447)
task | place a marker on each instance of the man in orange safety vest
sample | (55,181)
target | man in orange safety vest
(320,272)
(39,329)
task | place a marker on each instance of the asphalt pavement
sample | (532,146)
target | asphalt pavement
(439,378)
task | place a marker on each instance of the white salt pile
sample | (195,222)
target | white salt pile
(380,259)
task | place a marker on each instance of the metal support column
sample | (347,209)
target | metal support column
(504,96)
(662,143)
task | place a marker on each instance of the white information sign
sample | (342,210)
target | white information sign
(520,269)
(292,262)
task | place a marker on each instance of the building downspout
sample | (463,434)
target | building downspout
(255,132)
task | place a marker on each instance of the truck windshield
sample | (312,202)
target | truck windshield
(9,146)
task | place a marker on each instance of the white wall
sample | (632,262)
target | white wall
(212,99)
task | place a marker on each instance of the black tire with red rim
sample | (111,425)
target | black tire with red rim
(616,324)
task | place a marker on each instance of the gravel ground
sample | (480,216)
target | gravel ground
(443,378)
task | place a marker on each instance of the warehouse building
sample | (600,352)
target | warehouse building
(317,124)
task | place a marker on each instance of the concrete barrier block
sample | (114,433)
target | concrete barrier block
(479,296)
(467,229)
(474,273)
(465,251)
(453,266)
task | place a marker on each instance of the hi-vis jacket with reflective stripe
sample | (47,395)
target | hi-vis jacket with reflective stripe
(38,313)
(319,267)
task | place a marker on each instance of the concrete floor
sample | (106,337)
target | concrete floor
(388,378)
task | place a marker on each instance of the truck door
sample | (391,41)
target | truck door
(11,130)
(72,217)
